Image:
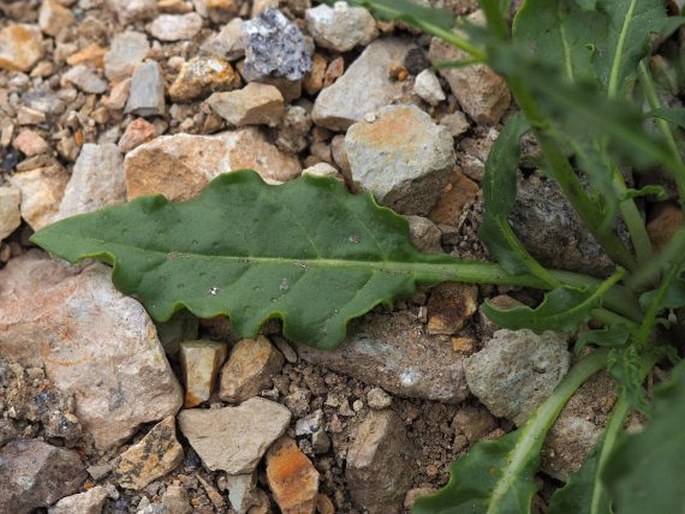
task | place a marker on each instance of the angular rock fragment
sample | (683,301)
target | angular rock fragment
(200,361)
(146,97)
(292,478)
(42,190)
(90,502)
(158,453)
(21,47)
(10,217)
(234,439)
(35,474)
(450,306)
(379,463)
(201,76)
(402,157)
(175,27)
(340,27)
(53,17)
(127,50)
(275,47)
(255,104)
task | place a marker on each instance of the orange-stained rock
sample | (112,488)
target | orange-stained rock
(201,76)
(292,478)
(92,54)
(459,193)
(180,166)
(449,306)
(21,46)
(155,455)
(250,368)
(137,132)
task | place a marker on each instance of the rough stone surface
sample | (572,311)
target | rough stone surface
(234,439)
(90,502)
(94,342)
(517,370)
(97,180)
(21,47)
(200,362)
(241,491)
(85,78)
(482,94)
(137,132)
(450,306)
(128,50)
(390,351)
(460,193)
(292,478)
(10,217)
(180,166)
(427,87)
(175,27)
(379,463)
(470,424)
(176,500)
(255,104)
(41,193)
(146,97)
(53,17)
(250,368)
(229,42)
(365,86)
(275,47)
(552,231)
(340,27)
(158,453)
(30,143)
(201,76)
(293,131)
(133,10)
(402,157)
(35,474)
(425,235)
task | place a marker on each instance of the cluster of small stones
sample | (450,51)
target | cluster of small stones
(102,101)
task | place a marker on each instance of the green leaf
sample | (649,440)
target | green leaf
(306,252)
(675,116)
(645,473)
(498,477)
(613,336)
(563,309)
(577,495)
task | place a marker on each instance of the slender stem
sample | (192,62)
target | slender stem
(534,430)
(634,222)
(678,167)
(611,318)
(496,22)
(655,306)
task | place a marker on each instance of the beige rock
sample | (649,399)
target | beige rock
(180,166)
(201,76)
(92,54)
(133,10)
(379,463)
(158,453)
(53,17)
(94,342)
(251,367)
(137,132)
(30,143)
(241,491)
(21,46)
(200,361)
(176,500)
(470,424)
(313,82)
(97,180)
(116,101)
(292,478)
(234,439)
(460,193)
(127,50)
(175,27)
(482,94)
(41,193)
(450,306)
(10,217)
(90,502)
(255,104)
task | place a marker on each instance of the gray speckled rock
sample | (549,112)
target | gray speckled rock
(517,370)
(340,27)
(275,47)
(390,351)
(146,97)
(364,87)
(402,157)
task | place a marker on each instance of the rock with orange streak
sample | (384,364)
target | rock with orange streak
(292,478)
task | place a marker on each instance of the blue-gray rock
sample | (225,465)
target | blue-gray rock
(275,47)
(35,474)
(517,370)
(146,97)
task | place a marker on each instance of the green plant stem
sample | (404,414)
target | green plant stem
(611,318)
(496,22)
(563,173)
(655,306)
(677,167)
(537,426)
(633,219)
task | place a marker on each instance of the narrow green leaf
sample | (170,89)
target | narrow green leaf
(614,336)
(645,473)
(675,116)
(498,477)
(563,309)
(408,11)
(306,252)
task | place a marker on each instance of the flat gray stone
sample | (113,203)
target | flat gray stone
(364,87)
(402,157)
(517,370)
(234,439)
(127,50)
(387,350)
(146,97)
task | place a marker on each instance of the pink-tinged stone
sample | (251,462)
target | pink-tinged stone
(30,143)
(137,132)
(95,344)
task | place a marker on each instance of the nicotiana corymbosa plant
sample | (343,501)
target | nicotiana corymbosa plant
(315,256)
